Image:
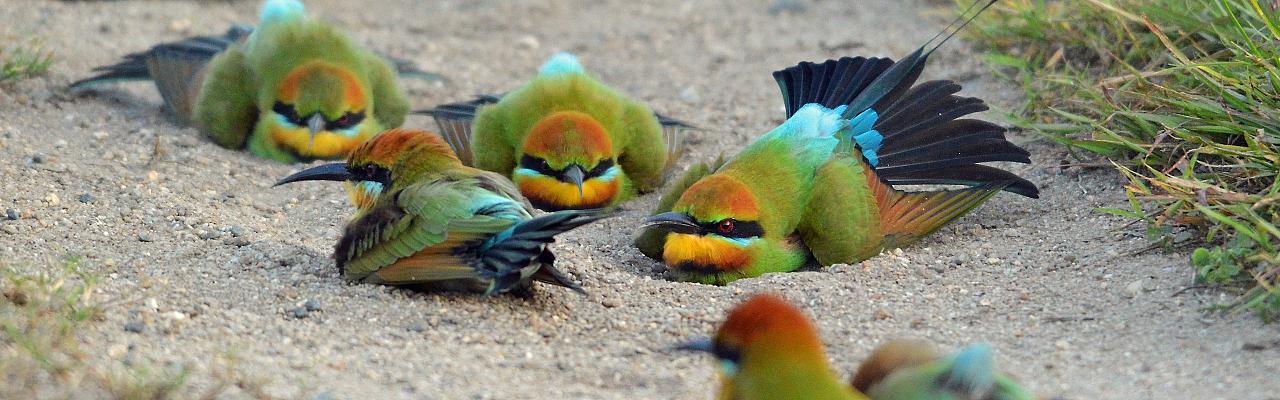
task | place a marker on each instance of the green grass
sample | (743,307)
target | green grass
(1182,97)
(43,316)
(22,60)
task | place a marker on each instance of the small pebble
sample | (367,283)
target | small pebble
(12,214)
(311,305)
(10,229)
(882,315)
(207,234)
(134,326)
(610,303)
(53,199)
(142,237)
(100,135)
(236,241)
(86,198)
(416,327)
(37,159)
(528,42)
(299,313)
(236,231)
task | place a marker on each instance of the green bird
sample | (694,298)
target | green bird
(293,89)
(566,140)
(425,219)
(821,187)
(911,370)
(768,350)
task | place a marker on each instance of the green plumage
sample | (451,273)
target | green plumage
(243,83)
(230,86)
(821,186)
(566,120)
(967,375)
(426,220)
(421,216)
(501,129)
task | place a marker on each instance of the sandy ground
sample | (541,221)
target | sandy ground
(212,261)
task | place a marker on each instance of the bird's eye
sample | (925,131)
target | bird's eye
(347,120)
(725,226)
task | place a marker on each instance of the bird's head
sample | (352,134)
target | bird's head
(385,164)
(321,111)
(568,162)
(713,228)
(762,334)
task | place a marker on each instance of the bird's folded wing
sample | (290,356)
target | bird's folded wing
(418,237)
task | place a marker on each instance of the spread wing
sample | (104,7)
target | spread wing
(455,120)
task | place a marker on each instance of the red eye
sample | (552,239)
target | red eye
(343,120)
(725,226)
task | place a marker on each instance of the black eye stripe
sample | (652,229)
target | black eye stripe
(601,167)
(725,353)
(537,164)
(371,173)
(288,112)
(347,120)
(741,229)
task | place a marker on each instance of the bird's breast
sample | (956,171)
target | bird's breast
(551,194)
(710,253)
(326,144)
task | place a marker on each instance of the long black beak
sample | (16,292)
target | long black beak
(575,174)
(327,172)
(704,345)
(672,222)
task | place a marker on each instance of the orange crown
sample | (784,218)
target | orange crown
(719,196)
(768,317)
(571,135)
(322,74)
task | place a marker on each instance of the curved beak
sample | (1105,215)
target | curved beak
(672,222)
(326,172)
(315,124)
(704,345)
(576,175)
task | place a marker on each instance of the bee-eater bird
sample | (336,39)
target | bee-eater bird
(293,89)
(767,350)
(912,370)
(820,187)
(425,219)
(566,140)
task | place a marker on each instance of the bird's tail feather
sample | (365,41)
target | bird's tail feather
(924,142)
(906,217)
(504,257)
